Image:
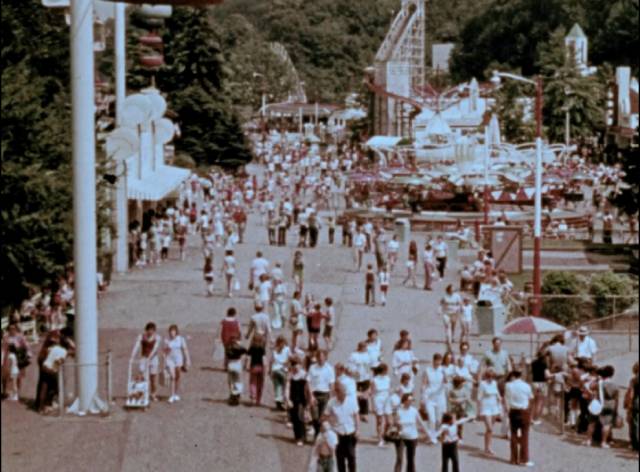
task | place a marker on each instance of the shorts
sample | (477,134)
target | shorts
(154,365)
(328,331)
(607,417)
(541,388)
(314,330)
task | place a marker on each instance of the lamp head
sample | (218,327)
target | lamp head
(495,78)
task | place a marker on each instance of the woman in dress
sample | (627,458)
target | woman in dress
(428,259)
(229,268)
(298,397)
(380,390)
(404,361)
(278,369)
(451,307)
(279,303)
(412,263)
(489,406)
(146,347)
(176,359)
(298,271)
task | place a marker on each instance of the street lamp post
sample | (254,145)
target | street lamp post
(537,213)
(84,204)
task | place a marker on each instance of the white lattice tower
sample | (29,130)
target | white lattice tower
(400,61)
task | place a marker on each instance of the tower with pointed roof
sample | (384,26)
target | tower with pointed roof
(577,44)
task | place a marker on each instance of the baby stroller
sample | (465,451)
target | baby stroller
(137,387)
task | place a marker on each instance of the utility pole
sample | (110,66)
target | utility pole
(537,217)
(84,206)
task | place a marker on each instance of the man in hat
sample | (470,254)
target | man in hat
(585,347)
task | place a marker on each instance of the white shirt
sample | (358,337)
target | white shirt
(343,415)
(360,362)
(265,291)
(586,348)
(517,394)
(320,378)
(262,323)
(359,240)
(435,387)
(383,278)
(449,433)
(408,421)
(280,359)
(440,249)
(403,361)
(349,385)
(375,351)
(393,246)
(260,266)
(55,355)
(392,404)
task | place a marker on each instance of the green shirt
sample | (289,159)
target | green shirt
(498,361)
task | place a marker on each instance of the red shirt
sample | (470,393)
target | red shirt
(315,319)
(229,328)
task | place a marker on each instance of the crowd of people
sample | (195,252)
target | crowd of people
(291,332)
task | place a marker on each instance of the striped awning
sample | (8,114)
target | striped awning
(157,185)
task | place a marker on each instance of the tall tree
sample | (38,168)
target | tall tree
(566,89)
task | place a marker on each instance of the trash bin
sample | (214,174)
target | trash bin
(490,317)
(402,228)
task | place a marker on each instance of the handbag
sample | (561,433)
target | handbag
(236,285)
(596,405)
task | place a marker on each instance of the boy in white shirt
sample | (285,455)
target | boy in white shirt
(383,280)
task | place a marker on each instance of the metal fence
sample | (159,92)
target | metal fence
(68,383)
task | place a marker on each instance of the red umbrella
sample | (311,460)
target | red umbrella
(532,325)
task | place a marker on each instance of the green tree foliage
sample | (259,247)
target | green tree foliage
(510,33)
(510,109)
(563,310)
(36,194)
(329,41)
(612,293)
(194,79)
(566,89)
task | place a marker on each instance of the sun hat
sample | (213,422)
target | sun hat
(583,330)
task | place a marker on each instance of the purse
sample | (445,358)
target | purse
(596,405)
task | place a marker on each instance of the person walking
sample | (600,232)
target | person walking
(325,447)
(298,398)
(360,364)
(449,435)
(329,322)
(359,243)
(380,391)
(279,303)
(451,306)
(383,279)
(278,368)
(177,359)
(499,361)
(518,396)
(428,259)
(255,365)
(229,329)
(441,250)
(234,354)
(147,347)
(15,340)
(393,247)
(296,318)
(343,415)
(321,378)
(412,264)
(229,268)
(298,271)
(370,286)
(209,275)
(489,408)
(434,395)
(408,420)
(632,406)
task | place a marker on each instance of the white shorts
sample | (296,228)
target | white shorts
(153,364)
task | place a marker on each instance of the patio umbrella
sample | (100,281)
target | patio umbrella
(532,325)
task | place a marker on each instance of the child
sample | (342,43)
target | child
(460,403)
(314,322)
(467,318)
(325,447)
(383,280)
(330,317)
(166,244)
(331,225)
(448,434)
(208,275)
(370,287)
(138,391)
(13,371)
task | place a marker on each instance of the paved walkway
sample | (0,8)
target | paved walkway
(202,433)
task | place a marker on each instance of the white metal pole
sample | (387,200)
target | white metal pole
(84,202)
(120,58)
(537,217)
(122,207)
